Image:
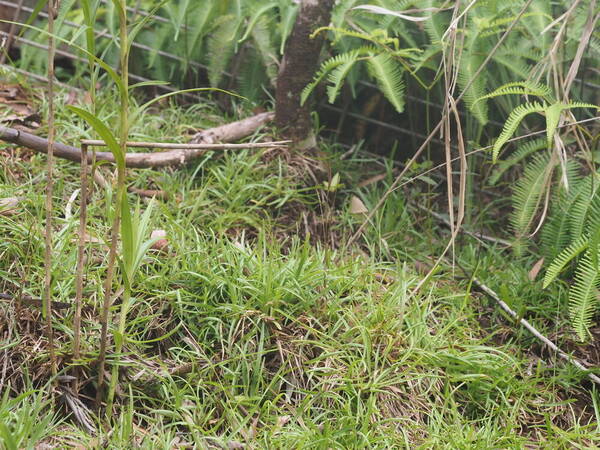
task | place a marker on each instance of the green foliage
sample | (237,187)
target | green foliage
(529,192)
(574,224)
(388,75)
(583,296)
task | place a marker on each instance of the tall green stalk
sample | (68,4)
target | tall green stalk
(121,187)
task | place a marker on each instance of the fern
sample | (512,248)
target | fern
(564,258)
(388,75)
(515,64)
(555,234)
(257,12)
(221,46)
(263,42)
(583,296)
(528,192)
(513,122)
(252,76)
(553,113)
(521,88)
(522,152)
(577,218)
(328,66)
(338,75)
(469,65)
(586,194)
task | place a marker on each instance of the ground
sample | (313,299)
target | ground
(256,326)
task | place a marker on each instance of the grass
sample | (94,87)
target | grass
(253,330)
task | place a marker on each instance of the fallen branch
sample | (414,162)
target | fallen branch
(180,155)
(232,131)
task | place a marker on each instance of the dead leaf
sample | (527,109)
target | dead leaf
(535,270)
(281,421)
(162,244)
(357,206)
(8,206)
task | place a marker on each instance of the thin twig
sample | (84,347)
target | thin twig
(169,145)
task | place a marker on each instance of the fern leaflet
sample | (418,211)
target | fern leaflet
(564,258)
(582,296)
(388,75)
(512,123)
(528,192)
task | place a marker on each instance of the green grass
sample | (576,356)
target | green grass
(293,343)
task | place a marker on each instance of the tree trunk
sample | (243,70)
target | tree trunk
(298,66)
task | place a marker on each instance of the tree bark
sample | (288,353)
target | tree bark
(298,66)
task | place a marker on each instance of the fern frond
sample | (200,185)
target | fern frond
(582,204)
(261,35)
(197,28)
(512,123)
(256,14)
(564,258)
(252,76)
(388,75)
(376,36)
(555,235)
(338,75)
(329,65)
(221,46)
(515,64)
(528,192)
(521,88)
(592,223)
(286,24)
(553,113)
(582,296)
(469,65)
(522,152)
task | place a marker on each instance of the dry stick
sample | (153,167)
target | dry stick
(181,155)
(170,145)
(80,261)
(387,193)
(49,190)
